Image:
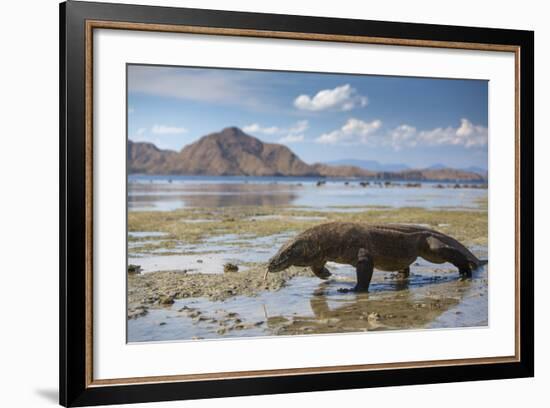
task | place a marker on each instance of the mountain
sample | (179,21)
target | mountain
(471,169)
(444,174)
(371,165)
(147,158)
(475,169)
(232,152)
(404,171)
(342,171)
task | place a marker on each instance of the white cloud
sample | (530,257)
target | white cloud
(299,127)
(354,131)
(342,98)
(256,128)
(474,135)
(141,131)
(292,134)
(291,139)
(403,135)
(467,135)
(295,133)
(167,130)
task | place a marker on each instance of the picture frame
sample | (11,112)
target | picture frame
(79,21)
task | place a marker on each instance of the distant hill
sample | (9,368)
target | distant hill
(342,171)
(444,174)
(371,165)
(232,152)
(471,169)
(475,169)
(147,158)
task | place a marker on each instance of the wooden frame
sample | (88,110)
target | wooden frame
(77,22)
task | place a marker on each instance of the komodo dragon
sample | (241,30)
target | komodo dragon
(387,247)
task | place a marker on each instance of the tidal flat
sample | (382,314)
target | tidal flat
(183,293)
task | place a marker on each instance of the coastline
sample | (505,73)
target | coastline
(200,296)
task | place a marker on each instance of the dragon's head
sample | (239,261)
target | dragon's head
(296,252)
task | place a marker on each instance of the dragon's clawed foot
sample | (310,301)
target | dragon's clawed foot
(355,289)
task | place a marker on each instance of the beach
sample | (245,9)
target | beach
(183,232)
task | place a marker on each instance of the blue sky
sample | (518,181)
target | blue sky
(321,117)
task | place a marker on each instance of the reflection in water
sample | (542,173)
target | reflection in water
(157,194)
(213,252)
(166,197)
(242,199)
(401,308)
(306,306)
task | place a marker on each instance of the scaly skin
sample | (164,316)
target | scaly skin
(387,247)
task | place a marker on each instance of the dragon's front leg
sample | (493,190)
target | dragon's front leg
(321,271)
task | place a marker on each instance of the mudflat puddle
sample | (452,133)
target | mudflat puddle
(434,296)
(210,255)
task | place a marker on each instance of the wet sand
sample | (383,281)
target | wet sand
(184,294)
(296,303)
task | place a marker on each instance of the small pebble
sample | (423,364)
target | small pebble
(373,317)
(229,267)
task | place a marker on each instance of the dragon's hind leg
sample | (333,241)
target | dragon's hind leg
(404,273)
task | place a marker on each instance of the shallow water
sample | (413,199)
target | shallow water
(209,256)
(308,305)
(433,297)
(163,193)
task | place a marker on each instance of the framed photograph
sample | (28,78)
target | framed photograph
(256,204)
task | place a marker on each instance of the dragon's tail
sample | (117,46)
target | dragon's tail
(483,262)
